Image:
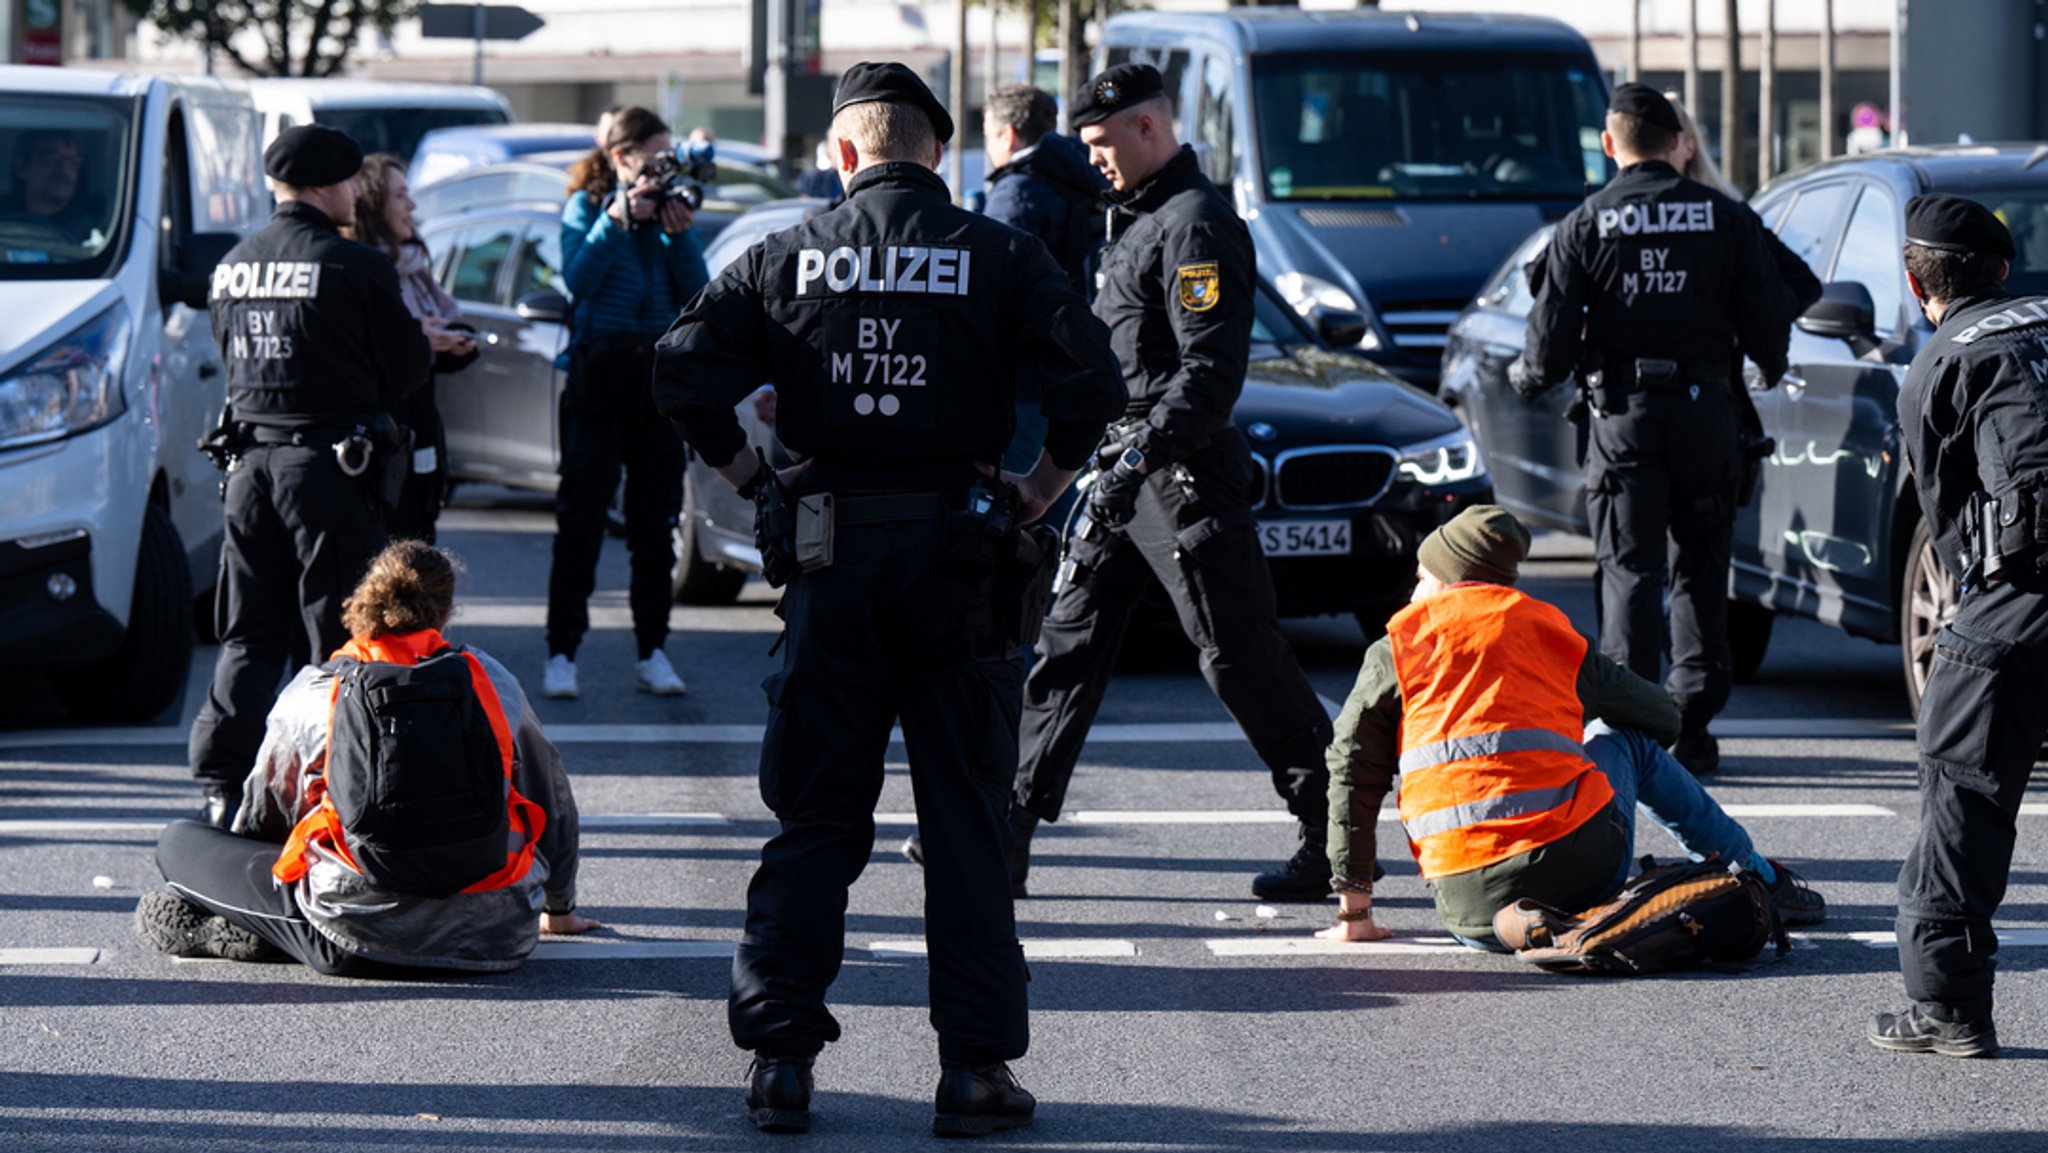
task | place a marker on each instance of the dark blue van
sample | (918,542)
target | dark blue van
(1385,161)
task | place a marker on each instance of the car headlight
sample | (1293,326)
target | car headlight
(1442,461)
(1303,293)
(71,386)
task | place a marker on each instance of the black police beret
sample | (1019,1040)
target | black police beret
(1956,224)
(1648,103)
(1113,91)
(892,83)
(312,156)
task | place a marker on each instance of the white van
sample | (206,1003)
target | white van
(380,115)
(118,195)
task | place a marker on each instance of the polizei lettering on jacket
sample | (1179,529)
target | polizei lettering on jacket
(2024,314)
(1652,219)
(893,268)
(267,280)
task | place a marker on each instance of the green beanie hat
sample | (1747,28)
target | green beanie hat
(1483,543)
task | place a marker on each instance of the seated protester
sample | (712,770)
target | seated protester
(1522,751)
(287,877)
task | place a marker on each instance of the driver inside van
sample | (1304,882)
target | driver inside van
(45,172)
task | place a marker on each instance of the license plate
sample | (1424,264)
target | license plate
(1305,537)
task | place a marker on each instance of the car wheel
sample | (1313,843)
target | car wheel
(1927,601)
(697,580)
(147,672)
(1749,635)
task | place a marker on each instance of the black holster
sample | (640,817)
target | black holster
(775,532)
(393,457)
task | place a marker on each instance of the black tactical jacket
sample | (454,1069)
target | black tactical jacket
(312,326)
(1970,418)
(1175,287)
(893,328)
(1655,265)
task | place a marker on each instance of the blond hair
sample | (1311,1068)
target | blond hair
(409,588)
(1701,168)
(882,131)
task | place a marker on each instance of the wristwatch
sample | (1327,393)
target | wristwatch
(1132,461)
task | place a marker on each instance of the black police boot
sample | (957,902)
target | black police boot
(1304,877)
(1023,823)
(975,1102)
(779,1094)
(1916,1031)
(1698,751)
(220,804)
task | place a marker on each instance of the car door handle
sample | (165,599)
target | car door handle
(208,369)
(1793,384)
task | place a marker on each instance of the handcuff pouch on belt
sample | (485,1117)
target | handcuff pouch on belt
(384,443)
(2005,532)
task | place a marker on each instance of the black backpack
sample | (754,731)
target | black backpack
(415,772)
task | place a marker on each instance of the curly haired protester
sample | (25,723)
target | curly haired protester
(350,857)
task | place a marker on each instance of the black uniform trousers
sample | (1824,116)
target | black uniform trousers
(228,875)
(1194,531)
(300,534)
(876,638)
(613,425)
(1661,487)
(1981,726)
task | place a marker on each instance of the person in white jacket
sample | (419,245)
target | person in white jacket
(281,880)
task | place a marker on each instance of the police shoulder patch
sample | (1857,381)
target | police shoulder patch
(1199,286)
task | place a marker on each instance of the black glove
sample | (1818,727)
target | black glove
(1527,382)
(1113,498)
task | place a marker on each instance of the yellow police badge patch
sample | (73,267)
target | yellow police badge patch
(1199,285)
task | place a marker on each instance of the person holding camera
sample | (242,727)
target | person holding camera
(631,262)
(384,221)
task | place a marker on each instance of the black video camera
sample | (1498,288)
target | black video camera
(682,174)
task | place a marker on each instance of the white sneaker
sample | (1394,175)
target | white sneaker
(559,678)
(655,675)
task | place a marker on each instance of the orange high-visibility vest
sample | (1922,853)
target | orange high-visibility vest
(322,823)
(1491,760)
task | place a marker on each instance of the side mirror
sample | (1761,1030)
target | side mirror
(1338,327)
(188,283)
(546,305)
(1844,312)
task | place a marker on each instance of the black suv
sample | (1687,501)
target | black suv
(1835,531)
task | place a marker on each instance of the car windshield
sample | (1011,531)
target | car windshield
(1423,126)
(2025,212)
(398,130)
(64,186)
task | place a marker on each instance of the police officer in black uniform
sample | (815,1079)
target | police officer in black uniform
(1669,283)
(893,328)
(1970,414)
(1176,286)
(319,349)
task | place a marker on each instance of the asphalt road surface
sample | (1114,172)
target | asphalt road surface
(1169,1013)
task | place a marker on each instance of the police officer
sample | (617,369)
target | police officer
(319,347)
(1176,288)
(1669,284)
(893,328)
(1975,445)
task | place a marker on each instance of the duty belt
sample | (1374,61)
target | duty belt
(1652,374)
(848,511)
(305,437)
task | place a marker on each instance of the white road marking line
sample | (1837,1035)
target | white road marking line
(58,956)
(650,820)
(1043,950)
(1275,946)
(2007,938)
(495,520)
(1815,810)
(553,950)
(1149,733)
(88,825)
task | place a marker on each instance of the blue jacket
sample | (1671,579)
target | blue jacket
(1046,192)
(625,280)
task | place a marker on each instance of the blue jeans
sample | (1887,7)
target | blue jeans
(1648,782)
(1642,773)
